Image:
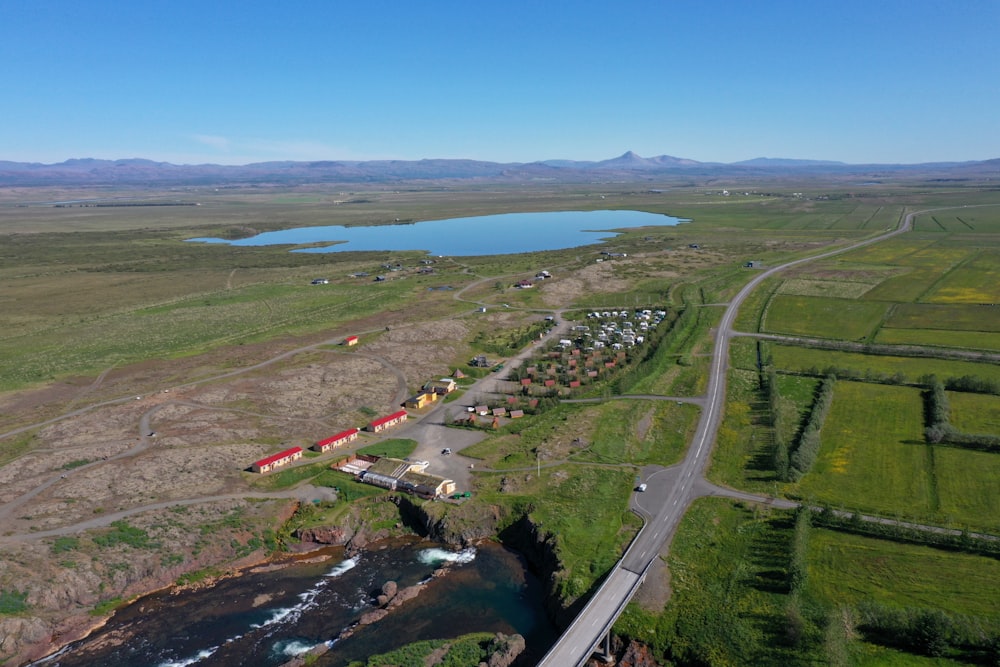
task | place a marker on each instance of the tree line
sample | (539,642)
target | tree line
(940,430)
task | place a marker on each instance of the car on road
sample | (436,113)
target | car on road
(641,487)
(446,450)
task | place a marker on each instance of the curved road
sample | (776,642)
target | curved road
(666,506)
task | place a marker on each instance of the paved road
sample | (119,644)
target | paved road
(665,507)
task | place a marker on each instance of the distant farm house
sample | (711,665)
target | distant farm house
(387,422)
(351,340)
(335,441)
(277,460)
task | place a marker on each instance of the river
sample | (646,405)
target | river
(264,618)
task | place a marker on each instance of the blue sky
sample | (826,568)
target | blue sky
(236,82)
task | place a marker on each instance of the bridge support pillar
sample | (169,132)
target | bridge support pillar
(603,652)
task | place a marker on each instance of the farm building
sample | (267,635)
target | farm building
(409,476)
(442,386)
(421,400)
(335,441)
(383,423)
(351,340)
(277,460)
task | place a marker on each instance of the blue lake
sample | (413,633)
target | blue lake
(483,235)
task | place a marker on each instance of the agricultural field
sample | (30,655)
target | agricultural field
(744,451)
(874,459)
(974,281)
(841,319)
(952,317)
(974,413)
(732,603)
(850,569)
(970,340)
(907,369)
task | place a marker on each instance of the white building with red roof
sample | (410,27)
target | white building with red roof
(277,460)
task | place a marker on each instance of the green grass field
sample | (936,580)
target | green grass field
(729,569)
(842,319)
(874,459)
(971,340)
(953,317)
(976,281)
(849,569)
(743,456)
(666,429)
(975,413)
(804,359)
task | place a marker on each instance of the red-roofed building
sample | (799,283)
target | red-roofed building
(351,340)
(573,384)
(277,460)
(335,441)
(550,383)
(387,422)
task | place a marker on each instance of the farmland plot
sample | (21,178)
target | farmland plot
(964,317)
(874,459)
(804,359)
(977,281)
(849,569)
(823,317)
(972,340)
(975,413)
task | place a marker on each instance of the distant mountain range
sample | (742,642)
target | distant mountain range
(626,167)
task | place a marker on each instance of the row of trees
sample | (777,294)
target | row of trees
(898,532)
(940,430)
(931,632)
(917,630)
(801,457)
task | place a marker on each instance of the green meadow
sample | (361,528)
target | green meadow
(842,319)
(874,459)
(805,360)
(851,569)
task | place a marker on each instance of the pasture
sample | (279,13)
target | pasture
(975,413)
(974,281)
(953,317)
(841,319)
(846,569)
(799,359)
(874,459)
(970,340)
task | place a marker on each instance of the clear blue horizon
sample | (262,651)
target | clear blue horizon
(715,81)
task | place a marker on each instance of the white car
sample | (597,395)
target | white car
(641,487)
